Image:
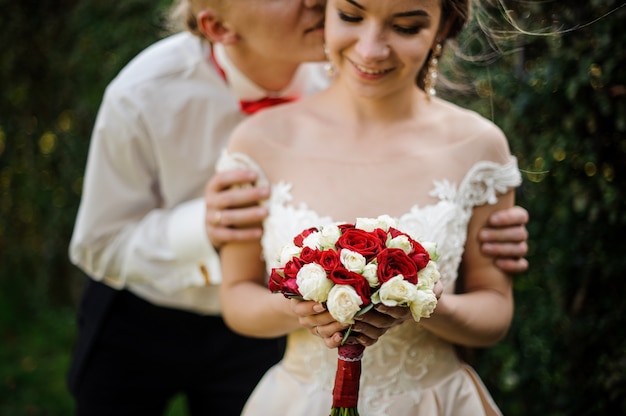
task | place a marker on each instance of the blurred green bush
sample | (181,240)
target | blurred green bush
(560,98)
(559,93)
(57,57)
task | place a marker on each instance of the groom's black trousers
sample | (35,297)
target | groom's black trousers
(132,357)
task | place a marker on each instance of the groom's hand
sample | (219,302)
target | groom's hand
(232,209)
(505,237)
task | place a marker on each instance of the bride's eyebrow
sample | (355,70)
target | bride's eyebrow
(412,13)
(403,14)
(355,4)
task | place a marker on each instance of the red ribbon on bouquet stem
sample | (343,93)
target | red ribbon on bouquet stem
(346,389)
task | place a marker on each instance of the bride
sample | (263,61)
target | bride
(377,142)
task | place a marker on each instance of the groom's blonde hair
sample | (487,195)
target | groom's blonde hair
(183,14)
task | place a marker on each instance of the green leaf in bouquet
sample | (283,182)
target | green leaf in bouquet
(293,296)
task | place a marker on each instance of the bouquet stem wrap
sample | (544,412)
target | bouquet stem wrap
(346,389)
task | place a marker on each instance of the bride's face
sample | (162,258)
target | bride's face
(379,46)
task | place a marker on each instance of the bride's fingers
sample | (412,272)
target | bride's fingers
(304,308)
(438,289)
(334,340)
(386,316)
(309,313)
(366,334)
(365,340)
(328,333)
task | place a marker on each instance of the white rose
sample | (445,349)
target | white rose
(401,242)
(396,292)
(385,222)
(343,303)
(370,224)
(288,252)
(312,240)
(313,283)
(424,304)
(431,247)
(370,272)
(353,261)
(428,276)
(329,235)
(366,224)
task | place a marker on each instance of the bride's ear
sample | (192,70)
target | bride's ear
(213,26)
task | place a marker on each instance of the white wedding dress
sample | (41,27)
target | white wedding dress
(409,371)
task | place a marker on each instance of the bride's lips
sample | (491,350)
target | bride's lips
(369,72)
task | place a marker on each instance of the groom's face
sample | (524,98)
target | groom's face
(286,30)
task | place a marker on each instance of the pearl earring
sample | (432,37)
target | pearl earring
(430,79)
(328,66)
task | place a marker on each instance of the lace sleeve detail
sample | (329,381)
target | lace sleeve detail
(231,161)
(481,185)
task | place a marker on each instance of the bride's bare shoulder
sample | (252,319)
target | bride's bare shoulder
(270,125)
(466,125)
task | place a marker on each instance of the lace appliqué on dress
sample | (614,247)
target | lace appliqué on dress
(480,185)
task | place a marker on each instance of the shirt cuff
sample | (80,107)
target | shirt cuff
(189,242)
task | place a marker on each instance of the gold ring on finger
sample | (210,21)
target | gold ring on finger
(217,218)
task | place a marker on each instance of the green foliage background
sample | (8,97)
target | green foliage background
(560,98)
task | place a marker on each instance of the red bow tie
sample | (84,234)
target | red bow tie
(248,106)
(251,107)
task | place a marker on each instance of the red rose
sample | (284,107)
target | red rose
(394,232)
(343,276)
(394,261)
(419,255)
(344,227)
(292,267)
(289,288)
(309,255)
(279,283)
(382,235)
(329,260)
(275,281)
(362,242)
(299,239)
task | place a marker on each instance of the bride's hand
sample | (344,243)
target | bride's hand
(375,323)
(372,325)
(314,317)
(366,330)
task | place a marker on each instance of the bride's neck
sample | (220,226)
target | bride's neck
(384,109)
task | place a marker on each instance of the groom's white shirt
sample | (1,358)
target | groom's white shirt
(160,129)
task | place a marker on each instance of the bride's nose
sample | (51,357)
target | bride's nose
(372,45)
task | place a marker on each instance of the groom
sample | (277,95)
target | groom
(149,226)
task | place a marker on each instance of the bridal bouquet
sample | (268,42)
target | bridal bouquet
(350,268)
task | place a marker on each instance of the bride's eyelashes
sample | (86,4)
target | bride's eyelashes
(349,18)
(407,30)
(402,29)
